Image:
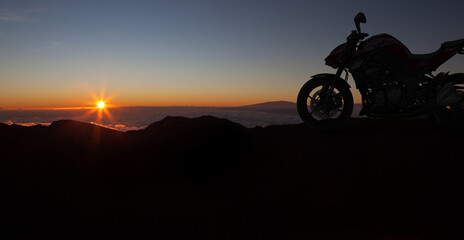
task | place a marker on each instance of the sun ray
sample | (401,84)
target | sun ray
(101,107)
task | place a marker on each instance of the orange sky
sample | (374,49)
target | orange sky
(189,53)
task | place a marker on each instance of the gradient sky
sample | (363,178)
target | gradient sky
(202,52)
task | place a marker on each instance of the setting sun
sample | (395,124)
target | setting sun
(101,104)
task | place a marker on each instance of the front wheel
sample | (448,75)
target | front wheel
(324,111)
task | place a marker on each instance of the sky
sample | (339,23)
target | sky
(193,53)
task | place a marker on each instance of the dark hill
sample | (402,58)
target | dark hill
(182,125)
(209,178)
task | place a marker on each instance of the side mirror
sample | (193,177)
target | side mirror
(360,18)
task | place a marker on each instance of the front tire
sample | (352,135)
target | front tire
(337,108)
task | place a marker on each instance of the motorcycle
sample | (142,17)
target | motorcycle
(392,82)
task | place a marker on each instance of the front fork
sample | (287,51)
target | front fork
(329,86)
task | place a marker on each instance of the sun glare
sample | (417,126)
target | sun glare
(101,104)
(101,108)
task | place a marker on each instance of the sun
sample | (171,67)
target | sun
(101,104)
(101,108)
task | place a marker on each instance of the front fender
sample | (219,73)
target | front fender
(331,76)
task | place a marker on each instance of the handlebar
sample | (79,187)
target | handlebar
(355,37)
(363,35)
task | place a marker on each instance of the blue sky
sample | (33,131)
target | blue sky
(60,53)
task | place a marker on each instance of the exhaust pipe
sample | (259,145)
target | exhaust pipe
(448,95)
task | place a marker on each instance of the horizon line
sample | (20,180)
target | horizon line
(126,106)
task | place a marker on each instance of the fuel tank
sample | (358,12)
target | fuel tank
(391,45)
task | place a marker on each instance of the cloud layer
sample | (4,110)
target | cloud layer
(132,118)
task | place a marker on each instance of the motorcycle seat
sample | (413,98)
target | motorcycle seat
(430,56)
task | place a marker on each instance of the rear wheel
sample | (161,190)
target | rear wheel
(326,112)
(453,114)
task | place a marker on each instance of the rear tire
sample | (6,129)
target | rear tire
(453,115)
(338,108)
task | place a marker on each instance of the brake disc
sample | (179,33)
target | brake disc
(333,103)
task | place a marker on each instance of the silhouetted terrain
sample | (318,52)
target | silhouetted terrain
(210,178)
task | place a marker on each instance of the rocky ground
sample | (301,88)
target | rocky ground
(210,178)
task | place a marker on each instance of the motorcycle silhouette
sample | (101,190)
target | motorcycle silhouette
(392,81)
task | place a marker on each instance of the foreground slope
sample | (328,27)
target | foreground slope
(210,178)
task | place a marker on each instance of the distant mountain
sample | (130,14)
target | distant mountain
(284,107)
(206,178)
(276,107)
(271,105)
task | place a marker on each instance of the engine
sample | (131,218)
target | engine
(388,84)
(389,97)
(383,89)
